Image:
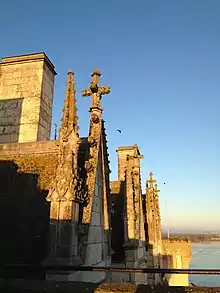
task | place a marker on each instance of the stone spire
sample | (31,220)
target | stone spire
(69,119)
(67,190)
(94,138)
(64,186)
(154,222)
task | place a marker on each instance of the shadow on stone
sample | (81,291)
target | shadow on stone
(24,217)
(10,116)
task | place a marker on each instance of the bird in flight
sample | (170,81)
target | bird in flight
(119,130)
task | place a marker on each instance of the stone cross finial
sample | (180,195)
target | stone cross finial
(95,90)
(151,182)
(96,75)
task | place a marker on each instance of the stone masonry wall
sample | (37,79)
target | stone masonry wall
(10,115)
(46,104)
(26,96)
(26,170)
(177,255)
(37,158)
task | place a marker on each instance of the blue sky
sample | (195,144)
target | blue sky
(161,59)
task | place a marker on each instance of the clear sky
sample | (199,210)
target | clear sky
(161,59)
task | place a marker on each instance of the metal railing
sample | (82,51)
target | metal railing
(6,269)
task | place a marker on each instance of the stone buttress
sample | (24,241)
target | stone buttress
(67,191)
(163,253)
(94,222)
(133,216)
(153,227)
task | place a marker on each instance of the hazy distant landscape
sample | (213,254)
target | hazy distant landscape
(194,237)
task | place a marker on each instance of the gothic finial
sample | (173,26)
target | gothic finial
(95,90)
(69,111)
(150,182)
(96,72)
(96,75)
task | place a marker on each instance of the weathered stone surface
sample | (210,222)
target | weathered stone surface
(177,254)
(22,92)
(38,158)
(80,221)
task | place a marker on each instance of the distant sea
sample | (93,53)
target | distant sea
(205,256)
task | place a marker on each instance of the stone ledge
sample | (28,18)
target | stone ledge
(176,240)
(37,286)
(38,147)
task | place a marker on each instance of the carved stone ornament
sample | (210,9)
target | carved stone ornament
(94,87)
(92,141)
(95,119)
(81,191)
(89,166)
(135,173)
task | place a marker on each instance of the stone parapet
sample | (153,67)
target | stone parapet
(174,245)
(177,255)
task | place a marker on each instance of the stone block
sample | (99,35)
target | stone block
(10,129)
(96,207)
(11,91)
(28,132)
(96,189)
(12,112)
(95,234)
(9,82)
(2,113)
(43,133)
(93,253)
(95,219)
(43,123)
(44,113)
(2,129)
(92,277)
(9,75)
(5,138)
(2,103)
(11,120)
